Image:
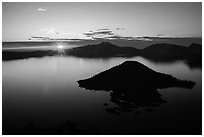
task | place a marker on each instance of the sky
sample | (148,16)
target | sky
(21,21)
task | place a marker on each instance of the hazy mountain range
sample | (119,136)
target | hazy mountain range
(137,42)
(191,54)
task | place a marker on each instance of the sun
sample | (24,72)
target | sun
(60,47)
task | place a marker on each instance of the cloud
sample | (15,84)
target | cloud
(120,28)
(55,34)
(39,38)
(109,34)
(160,35)
(49,30)
(99,33)
(102,29)
(42,9)
(115,37)
(143,38)
(105,33)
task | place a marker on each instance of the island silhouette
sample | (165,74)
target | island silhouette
(133,85)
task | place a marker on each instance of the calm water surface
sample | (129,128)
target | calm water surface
(45,91)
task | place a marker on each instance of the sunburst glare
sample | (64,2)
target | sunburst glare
(60,46)
(60,49)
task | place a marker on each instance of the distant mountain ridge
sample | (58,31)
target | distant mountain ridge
(13,55)
(169,51)
(137,42)
(104,49)
(161,52)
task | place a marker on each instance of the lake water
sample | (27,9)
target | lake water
(45,91)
